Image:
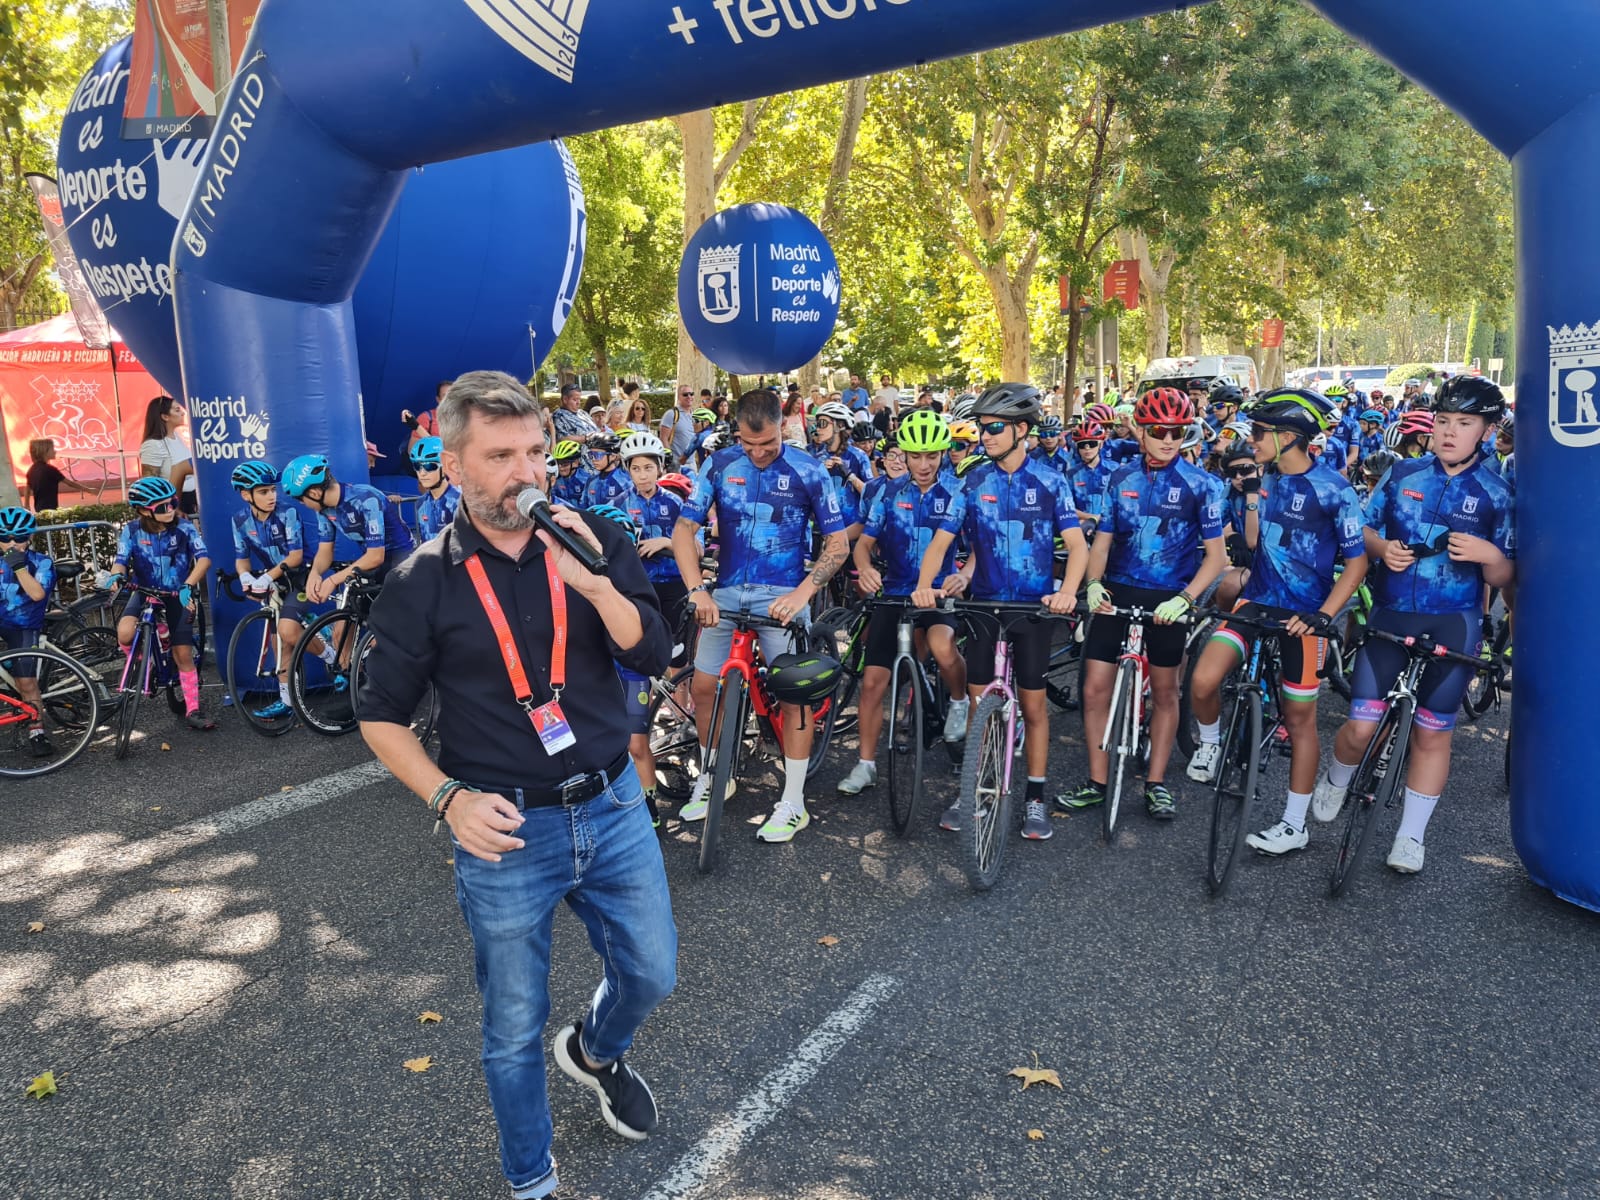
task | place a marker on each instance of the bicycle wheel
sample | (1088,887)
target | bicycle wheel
(95,647)
(1341,662)
(323,696)
(135,678)
(1376,783)
(1194,644)
(1123,746)
(904,744)
(985,799)
(674,744)
(253,674)
(1483,692)
(1063,675)
(423,715)
(67,711)
(728,733)
(1238,775)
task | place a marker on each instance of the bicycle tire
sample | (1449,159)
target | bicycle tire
(1064,672)
(326,720)
(985,800)
(69,701)
(423,717)
(674,742)
(1339,666)
(1368,793)
(1230,806)
(1120,758)
(1483,691)
(728,732)
(135,673)
(1194,645)
(247,691)
(95,646)
(906,743)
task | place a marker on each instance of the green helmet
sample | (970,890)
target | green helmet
(924,431)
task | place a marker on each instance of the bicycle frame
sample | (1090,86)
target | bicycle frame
(160,670)
(1132,650)
(1001,686)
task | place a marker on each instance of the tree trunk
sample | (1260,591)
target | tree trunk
(602,368)
(699,202)
(1154,277)
(833,200)
(1010,295)
(1069,405)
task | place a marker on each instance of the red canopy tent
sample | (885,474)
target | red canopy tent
(89,402)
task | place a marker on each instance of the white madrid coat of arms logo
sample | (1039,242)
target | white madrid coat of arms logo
(1574,380)
(718,283)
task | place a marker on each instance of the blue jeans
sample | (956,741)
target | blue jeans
(603,859)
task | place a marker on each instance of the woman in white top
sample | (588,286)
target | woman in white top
(166,454)
(638,414)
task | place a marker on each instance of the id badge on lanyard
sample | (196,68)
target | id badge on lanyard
(549,722)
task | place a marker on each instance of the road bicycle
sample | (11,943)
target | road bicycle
(742,692)
(985,796)
(1483,693)
(674,742)
(258,660)
(1379,781)
(68,710)
(844,629)
(1344,642)
(84,628)
(150,665)
(913,715)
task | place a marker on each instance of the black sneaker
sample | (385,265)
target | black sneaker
(39,742)
(625,1099)
(1159,803)
(199,721)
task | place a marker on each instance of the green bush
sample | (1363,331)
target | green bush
(1398,376)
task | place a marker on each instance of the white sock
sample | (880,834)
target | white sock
(794,784)
(1211,735)
(1339,774)
(283,690)
(1414,820)
(329,655)
(1294,809)
(870,762)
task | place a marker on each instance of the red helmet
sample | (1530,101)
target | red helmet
(1104,414)
(1164,406)
(1089,431)
(1417,421)
(677,483)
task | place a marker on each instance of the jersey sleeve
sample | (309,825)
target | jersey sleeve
(877,515)
(197,544)
(326,533)
(1110,510)
(1505,533)
(698,507)
(1066,509)
(124,545)
(1377,513)
(43,569)
(240,550)
(956,515)
(291,530)
(1348,518)
(371,509)
(825,507)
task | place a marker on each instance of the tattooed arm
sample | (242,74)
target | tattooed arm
(834,552)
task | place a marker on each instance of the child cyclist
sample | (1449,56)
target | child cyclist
(573,474)
(1441,524)
(1158,547)
(359,511)
(902,520)
(654,510)
(609,479)
(26,577)
(440,498)
(159,549)
(1305,517)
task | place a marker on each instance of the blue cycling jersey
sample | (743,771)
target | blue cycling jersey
(604,488)
(1418,504)
(569,489)
(1088,486)
(855,463)
(878,482)
(265,544)
(435,513)
(1117,451)
(162,559)
(764,514)
(656,518)
(368,518)
(1157,520)
(1505,467)
(18,610)
(902,520)
(1060,458)
(1305,520)
(1335,455)
(1011,522)
(1369,443)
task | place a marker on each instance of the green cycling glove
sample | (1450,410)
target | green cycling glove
(1098,594)
(1173,610)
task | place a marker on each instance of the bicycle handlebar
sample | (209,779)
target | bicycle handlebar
(1136,613)
(1260,624)
(1423,646)
(756,621)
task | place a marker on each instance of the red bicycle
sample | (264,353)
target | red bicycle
(742,691)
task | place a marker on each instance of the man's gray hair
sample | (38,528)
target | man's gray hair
(488,393)
(759,409)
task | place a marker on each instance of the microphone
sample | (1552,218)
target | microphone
(533,504)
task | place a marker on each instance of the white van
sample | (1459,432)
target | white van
(1177,372)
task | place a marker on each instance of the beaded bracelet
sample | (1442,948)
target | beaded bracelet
(440,791)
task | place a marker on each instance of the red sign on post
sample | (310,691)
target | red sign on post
(1271,333)
(1061,283)
(1121,282)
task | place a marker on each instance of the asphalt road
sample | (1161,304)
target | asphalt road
(226,996)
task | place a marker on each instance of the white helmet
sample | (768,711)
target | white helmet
(838,413)
(637,443)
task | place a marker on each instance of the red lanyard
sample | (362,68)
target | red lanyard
(508,644)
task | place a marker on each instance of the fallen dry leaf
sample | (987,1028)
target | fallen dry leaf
(1036,1135)
(829,940)
(418,1064)
(157,808)
(288,787)
(164,746)
(35,926)
(429,1018)
(44,1085)
(1035,1074)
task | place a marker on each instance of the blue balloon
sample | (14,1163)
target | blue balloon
(758,289)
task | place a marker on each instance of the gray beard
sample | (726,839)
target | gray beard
(493,514)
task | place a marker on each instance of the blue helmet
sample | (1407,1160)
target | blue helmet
(428,452)
(150,491)
(307,471)
(618,516)
(248,476)
(1372,414)
(17,522)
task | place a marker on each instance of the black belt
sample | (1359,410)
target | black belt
(579,789)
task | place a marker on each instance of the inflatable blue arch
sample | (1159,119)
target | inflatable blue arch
(334,102)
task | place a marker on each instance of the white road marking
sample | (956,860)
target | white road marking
(770,1096)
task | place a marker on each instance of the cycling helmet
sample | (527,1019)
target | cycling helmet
(152,490)
(964,431)
(864,433)
(923,432)
(17,522)
(707,415)
(647,444)
(1199,384)
(1235,431)
(961,410)
(301,474)
(618,516)
(1416,422)
(1336,391)
(1089,431)
(1320,442)
(720,438)
(803,678)
(1234,451)
(248,476)
(1298,410)
(1197,436)
(1225,391)
(427,452)
(606,443)
(1009,402)
(970,462)
(1508,423)
(1102,414)
(836,412)
(549,464)
(1471,394)
(1050,427)
(1164,406)
(567,450)
(1374,415)
(678,484)
(1378,463)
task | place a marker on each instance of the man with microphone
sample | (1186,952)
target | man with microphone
(500,613)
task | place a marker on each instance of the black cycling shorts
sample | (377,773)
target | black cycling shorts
(1030,651)
(180,626)
(883,641)
(1443,684)
(1163,644)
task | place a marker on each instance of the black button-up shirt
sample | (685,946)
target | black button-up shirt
(430,625)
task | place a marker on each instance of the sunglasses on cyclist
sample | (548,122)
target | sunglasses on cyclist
(160,506)
(1167,433)
(1089,445)
(1242,473)
(19,538)
(963,446)
(993,428)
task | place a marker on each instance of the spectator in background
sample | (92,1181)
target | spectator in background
(617,417)
(45,480)
(720,407)
(373,455)
(571,423)
(638,409)
(794,422)
(677,426)
(165,454)
(856,396)
(423,424)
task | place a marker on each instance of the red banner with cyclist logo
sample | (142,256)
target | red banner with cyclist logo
(1272,333)
(1121,282)
(173,87)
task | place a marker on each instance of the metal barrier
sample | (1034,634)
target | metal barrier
(93,543)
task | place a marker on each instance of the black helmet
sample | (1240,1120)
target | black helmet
(610,443)
(1235,450)
(1009,402)
(803,678)
(864,431)
(1470,394)
(1379,462)
(1225,391)
(1299,410)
